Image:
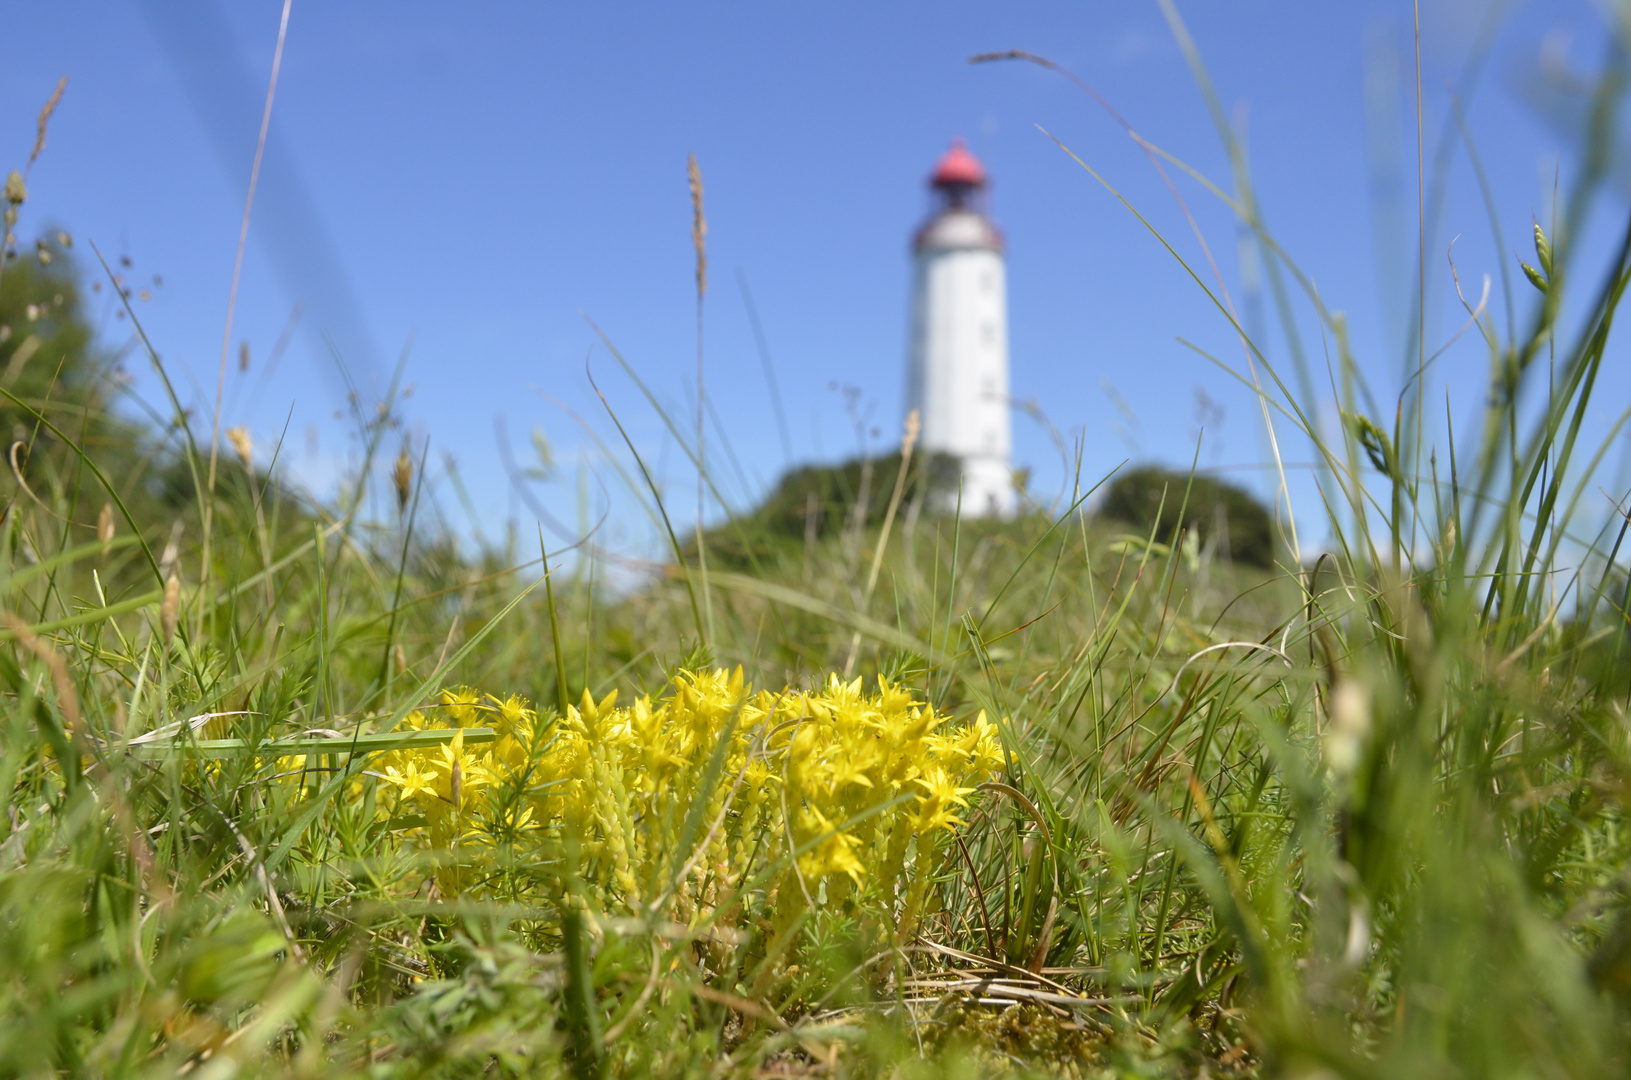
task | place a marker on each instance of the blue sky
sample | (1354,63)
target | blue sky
(481,180)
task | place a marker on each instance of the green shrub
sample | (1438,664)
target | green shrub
(1151,497)
(818,501)
(46,339)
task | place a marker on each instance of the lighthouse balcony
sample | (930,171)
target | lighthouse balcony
(958,229)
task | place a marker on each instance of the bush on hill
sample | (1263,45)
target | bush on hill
(816,501)
(46,341)
(1151,497)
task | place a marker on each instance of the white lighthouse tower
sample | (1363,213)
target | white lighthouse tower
(958,379)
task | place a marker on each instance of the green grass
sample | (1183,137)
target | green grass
(1360,817)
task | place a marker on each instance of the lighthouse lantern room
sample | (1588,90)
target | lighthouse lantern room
(958,370)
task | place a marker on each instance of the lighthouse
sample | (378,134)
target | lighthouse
(958,369)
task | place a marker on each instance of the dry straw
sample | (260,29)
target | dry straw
(908,441)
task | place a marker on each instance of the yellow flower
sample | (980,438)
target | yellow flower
(513,716)
(937,810)
(458,773)
(833,855)
(462,706)
(623,780)
(410,781)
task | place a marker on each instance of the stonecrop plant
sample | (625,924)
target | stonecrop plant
(679,806)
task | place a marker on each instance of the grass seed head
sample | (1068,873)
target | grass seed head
(402,478)
(1349,727)
(45,120)
(242,444)
(170,609)
(1543,249)
(1536,278)
(699,226)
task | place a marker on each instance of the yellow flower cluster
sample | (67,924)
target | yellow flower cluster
(674,804)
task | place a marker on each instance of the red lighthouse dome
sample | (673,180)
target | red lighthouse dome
(958,168)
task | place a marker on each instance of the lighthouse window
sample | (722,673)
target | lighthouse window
(989,333)
(987,282)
